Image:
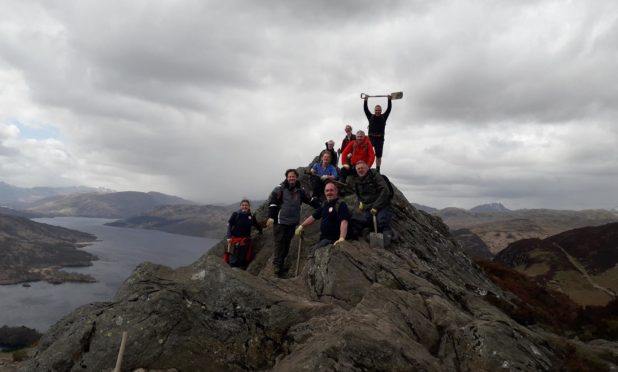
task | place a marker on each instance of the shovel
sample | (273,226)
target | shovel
(376,240)
(300,250)
(395,95)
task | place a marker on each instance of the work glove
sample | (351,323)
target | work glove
(361,206)
(229,240)
(299,230)
(270,222)
(346,166)
(341,240)
(324,178)
(349,155)
(374,211)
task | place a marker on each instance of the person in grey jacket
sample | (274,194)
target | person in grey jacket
(284,213)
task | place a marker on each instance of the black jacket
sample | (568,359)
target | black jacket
(285,202)
(377,123)
(373,191)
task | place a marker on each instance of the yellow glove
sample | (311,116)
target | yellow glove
(270,222)
(361,206)
(324,178)
(346,166)
(374,211)
(341,240)
(299,230)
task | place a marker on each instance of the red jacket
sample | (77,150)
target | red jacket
(364,151)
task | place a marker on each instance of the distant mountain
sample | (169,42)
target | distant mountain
(14,196)
(110,205)
(207,220)
(499,228)
(491,207)
(19,213)
(33,251)
(581,263)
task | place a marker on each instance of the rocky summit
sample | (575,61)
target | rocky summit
(418,305)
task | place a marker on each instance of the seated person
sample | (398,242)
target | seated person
(374,198)
(321,173)
(335,216)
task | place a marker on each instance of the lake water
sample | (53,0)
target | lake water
(119,251)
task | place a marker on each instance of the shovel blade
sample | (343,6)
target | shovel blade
(397,95)
(376,240)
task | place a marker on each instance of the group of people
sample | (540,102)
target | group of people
(338,221)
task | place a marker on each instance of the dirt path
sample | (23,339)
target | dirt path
(583,271)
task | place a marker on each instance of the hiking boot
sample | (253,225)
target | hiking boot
(388,237)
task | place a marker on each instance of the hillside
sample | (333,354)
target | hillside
(501,227)
(17,197)
(206,220)
(418,305)
(581,263)
(110,205)
(32,251)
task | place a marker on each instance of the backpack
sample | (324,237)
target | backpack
(391,190)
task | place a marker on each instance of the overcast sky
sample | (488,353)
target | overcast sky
(504,101)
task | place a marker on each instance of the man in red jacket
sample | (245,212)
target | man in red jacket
(359,149)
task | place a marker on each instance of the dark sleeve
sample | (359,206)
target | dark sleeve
(388,110)
(317,214)
(367,113)
(307,200)
(230,224)
(256,224)
(344,212)
(274,203)
(383,199)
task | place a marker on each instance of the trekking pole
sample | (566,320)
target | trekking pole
(123,344)
(300,249)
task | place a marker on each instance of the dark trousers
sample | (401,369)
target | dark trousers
(384,217)
(282,236)
(318,187)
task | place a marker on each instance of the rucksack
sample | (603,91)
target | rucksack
(391,190)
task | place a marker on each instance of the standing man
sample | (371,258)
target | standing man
(284,212)
(335,216)
(374,198)
(349,137)
(377,122)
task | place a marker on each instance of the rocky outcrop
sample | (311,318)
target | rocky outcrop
(419,305)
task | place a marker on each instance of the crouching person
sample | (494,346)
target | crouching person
(335,216)
(374,198)
(239,252)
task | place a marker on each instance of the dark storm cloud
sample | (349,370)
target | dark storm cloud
(504,100)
